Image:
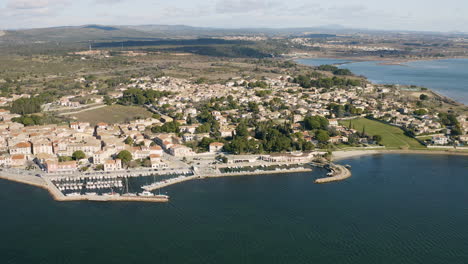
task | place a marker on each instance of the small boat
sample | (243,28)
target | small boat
(130,194)
(348,166)
(91,193)
(146,194)
(74,194)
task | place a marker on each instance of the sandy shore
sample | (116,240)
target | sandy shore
(340,155)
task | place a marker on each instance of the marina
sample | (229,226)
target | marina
(134,185)
(139,185)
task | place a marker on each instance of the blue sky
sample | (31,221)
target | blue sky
(431,15)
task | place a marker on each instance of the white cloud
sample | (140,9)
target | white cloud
(245,6)
(34,4)
(109,1)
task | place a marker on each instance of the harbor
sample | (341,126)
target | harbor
(139,185)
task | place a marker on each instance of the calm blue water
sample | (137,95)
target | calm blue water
(395,209)
(448,77)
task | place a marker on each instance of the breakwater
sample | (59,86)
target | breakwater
(337,173)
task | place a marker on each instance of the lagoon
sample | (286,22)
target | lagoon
(448,77)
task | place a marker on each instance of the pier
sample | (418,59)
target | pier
(59,196)
(338,173)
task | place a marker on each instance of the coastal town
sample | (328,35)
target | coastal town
(199,129)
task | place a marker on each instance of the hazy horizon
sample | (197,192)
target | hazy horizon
(397,15)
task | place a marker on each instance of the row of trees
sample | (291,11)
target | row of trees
(135,96)
(335,70)
(25,106)
(266,137)
(29,120)
(325,82)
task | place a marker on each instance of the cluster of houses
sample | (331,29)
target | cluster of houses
(380,102)
(47,145)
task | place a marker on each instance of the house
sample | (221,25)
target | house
(99,157)
(18,160)
(464,138)
(241,159)
(338,139)
(101,125)
(440,140)
(156,150)
(333,122)
(113,165)
(216,147)
(156,162)
(63,167)
(5,161)
(79,126)
(21,148)
(298,157)
(180,151)
(42,146)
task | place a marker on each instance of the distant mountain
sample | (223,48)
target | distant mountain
(102,27)
(156,32)
(73,34)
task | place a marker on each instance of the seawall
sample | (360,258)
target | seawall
(339,173)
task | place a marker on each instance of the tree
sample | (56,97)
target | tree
(129,141)
(64,158)
(108,100)
(125,156)
(241,130)
(315,122)
(25,106)
(78,155)
(423,97)
(377,138)
(420,112)
(322,136)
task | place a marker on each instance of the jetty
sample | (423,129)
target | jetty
(336,172)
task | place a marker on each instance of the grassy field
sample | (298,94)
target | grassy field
(392,137)
(113,114)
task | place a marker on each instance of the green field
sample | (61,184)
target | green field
(392,137)
(113,114)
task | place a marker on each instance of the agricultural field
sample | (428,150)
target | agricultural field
(112,114)
(392,137)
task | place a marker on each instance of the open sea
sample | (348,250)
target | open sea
(448,77)
(394,209)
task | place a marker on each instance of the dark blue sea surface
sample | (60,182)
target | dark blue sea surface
(448,77)
(395,209)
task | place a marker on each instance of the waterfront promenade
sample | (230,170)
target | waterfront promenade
(176,175)
(24,177)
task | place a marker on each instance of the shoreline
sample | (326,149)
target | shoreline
(396,61)
(384,61)
(340,173)
(347,154)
